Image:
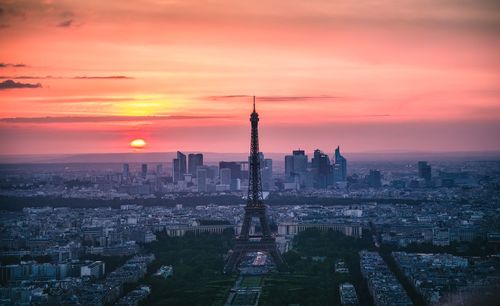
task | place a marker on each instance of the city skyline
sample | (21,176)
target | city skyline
(135,169)
(415,76)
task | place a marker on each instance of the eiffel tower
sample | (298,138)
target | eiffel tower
(255,208)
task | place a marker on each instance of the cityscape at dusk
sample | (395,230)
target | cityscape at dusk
(90,76)
(250,153)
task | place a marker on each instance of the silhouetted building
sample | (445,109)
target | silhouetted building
(144,170)
(159,169)
(235,168)
(320,165)
(212,171)
(201,175)
(452,179)
(374,179)
(194,161)
(299,161)
(126,172)
(266,169)
(244,169)
(179,167)
(340,167)
(235,185)
(296,167)
(288,165)
(424,171)
(225,176)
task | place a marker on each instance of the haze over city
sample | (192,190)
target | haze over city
(250,153)
(91,76)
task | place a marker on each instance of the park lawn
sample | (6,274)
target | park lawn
(246,298)
(251,281)
(197,263)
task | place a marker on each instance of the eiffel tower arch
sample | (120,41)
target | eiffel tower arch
(255,208)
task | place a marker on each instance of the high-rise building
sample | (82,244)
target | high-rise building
(179,167)
(212,172)
(126,172)
(194,161)
(159,169)
(244,167)
(320,165)
(296,167)
(234,166)
(144,170)
(182,158)
(175,170)
(374,179)
(235,185)
(288,165)
(266,168)
(225,176)
(340,166)
(424,171)
(299,161)
(201,175)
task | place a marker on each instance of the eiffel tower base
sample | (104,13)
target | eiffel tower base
(242,247)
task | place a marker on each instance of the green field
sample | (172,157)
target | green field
(251,281)
(312,282)
(197,278)
(244,298)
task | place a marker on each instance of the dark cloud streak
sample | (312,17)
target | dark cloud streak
(91,99)
(10,84)
(116,77)
(65,24)
(90,119)
(275,98)
(5,65)
(34,77)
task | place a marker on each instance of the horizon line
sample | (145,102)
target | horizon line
(495,151)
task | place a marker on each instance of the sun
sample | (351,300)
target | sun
(138,143)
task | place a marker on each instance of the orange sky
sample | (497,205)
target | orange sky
(366,75)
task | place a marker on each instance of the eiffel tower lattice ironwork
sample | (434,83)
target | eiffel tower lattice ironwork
(255,208)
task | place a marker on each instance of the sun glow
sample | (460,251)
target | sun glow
(139,108)
(138,143)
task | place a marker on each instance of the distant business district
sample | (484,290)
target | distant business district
(191,175)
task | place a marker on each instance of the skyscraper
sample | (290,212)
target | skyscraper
(179,167)
(288,165)
(296,167)
(234,166)
(126,172)
(320,164)
(299,161)
(144,170)
(159,169)
(266,168)
(201,175)
(225,176)
(340,167)
(194,161)
(374,179)
(424,171)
